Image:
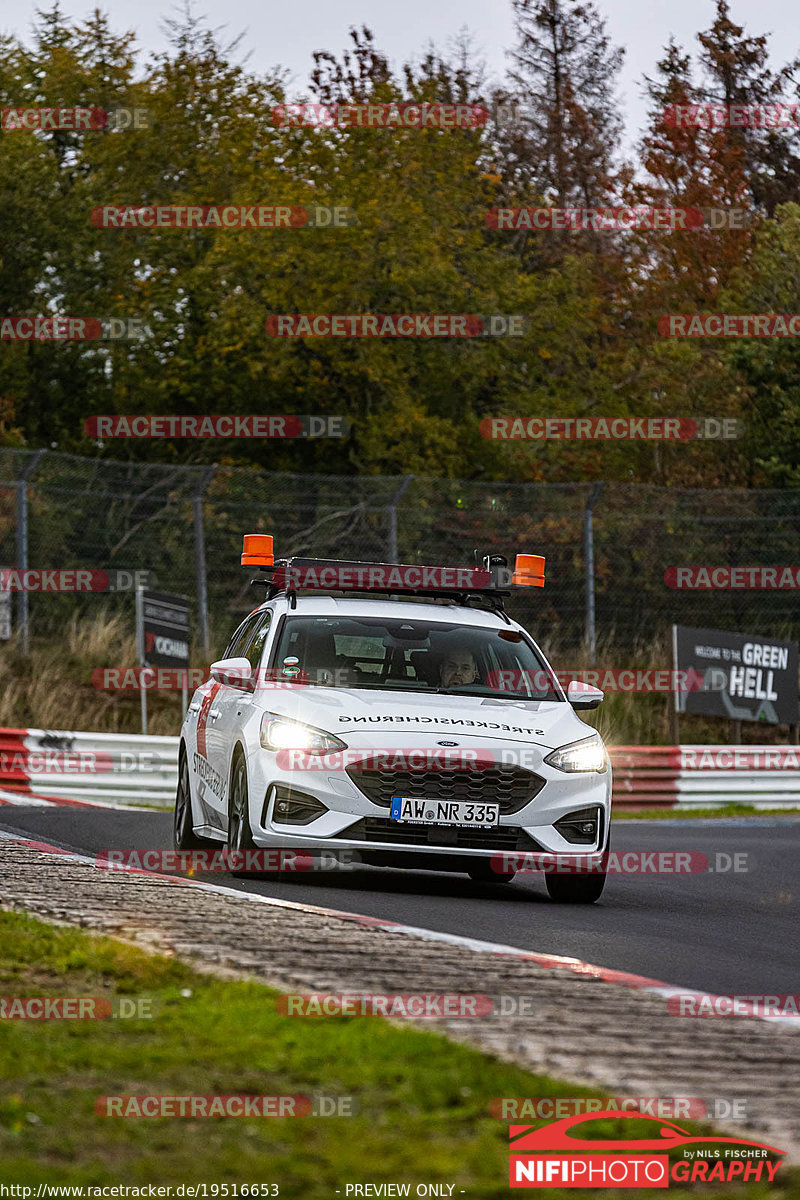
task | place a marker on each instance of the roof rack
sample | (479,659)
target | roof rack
(459,585)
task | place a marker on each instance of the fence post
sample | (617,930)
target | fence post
(588,554)
(22,546)
(391,512)
(200,555)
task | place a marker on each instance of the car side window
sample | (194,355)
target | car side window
(241,637)
(256,647)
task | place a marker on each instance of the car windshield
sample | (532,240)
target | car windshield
(411,656)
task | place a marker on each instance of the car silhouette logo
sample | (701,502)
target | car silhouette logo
(556,1136)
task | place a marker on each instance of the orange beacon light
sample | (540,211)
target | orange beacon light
(257,550)
(529,570)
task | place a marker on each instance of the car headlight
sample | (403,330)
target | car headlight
(281,733)
(586,755)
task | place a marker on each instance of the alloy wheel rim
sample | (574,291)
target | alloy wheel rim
(237,809)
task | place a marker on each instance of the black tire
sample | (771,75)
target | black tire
(579,889)
(482,872)
(183,835)
(240,835)
(575,889)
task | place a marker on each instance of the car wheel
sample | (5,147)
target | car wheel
(240,835)
(183,835)
(575,889)
(579,889)
(483,873)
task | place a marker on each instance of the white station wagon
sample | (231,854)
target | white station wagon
(397,714)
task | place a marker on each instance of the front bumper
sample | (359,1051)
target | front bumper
(353,822)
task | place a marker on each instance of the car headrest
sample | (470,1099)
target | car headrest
(318,652)
(426,666)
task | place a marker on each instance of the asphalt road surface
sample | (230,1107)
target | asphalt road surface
(722,931)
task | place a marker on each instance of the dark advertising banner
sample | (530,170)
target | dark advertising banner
(746,677)
(162,629)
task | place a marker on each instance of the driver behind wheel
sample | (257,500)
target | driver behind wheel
(458,667)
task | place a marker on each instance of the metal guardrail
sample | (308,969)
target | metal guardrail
(122,769)
(110,768)
(706,776)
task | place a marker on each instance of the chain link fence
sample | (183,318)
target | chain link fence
(608,546)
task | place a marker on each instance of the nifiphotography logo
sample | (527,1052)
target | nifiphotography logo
(555,1157)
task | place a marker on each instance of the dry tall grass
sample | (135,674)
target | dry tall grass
(52,689)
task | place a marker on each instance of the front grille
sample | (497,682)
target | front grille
(510,787)
(381,829)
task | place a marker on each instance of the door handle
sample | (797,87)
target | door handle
(214,714)
(194,708)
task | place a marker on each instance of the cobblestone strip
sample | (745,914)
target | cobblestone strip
(578,1028)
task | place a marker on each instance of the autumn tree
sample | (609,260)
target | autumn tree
(737,72)
(563,77)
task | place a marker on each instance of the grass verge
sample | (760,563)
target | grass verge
(422,1101)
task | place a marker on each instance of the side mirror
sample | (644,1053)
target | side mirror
(583,695)
(235,672)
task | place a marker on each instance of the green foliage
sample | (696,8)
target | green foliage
(421,244)
(423,1102)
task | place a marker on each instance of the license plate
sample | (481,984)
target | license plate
(443,812)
